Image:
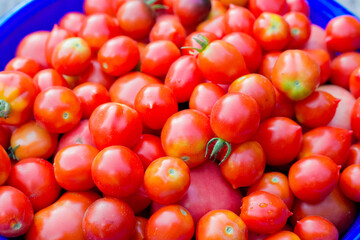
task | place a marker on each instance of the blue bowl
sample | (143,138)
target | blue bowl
(34,15)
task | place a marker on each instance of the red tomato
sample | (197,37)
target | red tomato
(281,139)
(57,109)
(221,224)
(258,87)
(72,22)
(190,41)
(329,141)
(138,201)
(169,28)
(105,6)
(271,31)
(342,67)
(317,39)
(170,222)
(108,218)
(219,7)
(284,107)
(185,135)
(140,228)
(354,155)
(275,183)
(115,124)
(283,235)
(343,33)
(56,36)
(299,6)
(48,78)
(349,182)
(215,25)
(264,212)
(117,171)
(191,12)
(239,19)
(35,178)
(91,95)
(23,64)
(16,214)
(148,148)
(296,74)
(354,83)
(316,228)
(94,74)
(355,118)
(273,6)
(268,63)
(5,166)
(322,58)
(5,134)
(62,219)
(300,29)
(33,140)
(235,2)
(118,55)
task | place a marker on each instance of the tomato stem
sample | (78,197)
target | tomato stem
(219,144)
(153,6)
(11,152)
(4,109)
(202,41)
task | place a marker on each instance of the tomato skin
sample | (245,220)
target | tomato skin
(354,155)
(138,201)
(239,19)
(284,107)
(190,41)
(183,76)
(354,83)
(300,29)
(108,218)
(349,182)
(48,78)
(16,214)
(191,12)
(72,22)
(215,25)
(115,124)
(275,183)
(117,171)
(57,109)
(273,6)
(41,188)
(56,35)
(23,64)
(170,222)
(5,165)
(342,67)
(140,228)
(148,148)
(268,62)
(296,74)
(322,58)
(316,228)
(118,55)
(185,135)
(283,235)
(167,179)
(221,224)
(91,95)
(33,141)
(18,90)
(329,141)
(94,74)
(355,118)
(264,212)
(231,124)
(245,165)
(228,3)
(62,219)
(299,6)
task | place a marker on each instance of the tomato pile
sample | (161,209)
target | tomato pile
(182,119)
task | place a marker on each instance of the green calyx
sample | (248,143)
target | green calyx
(4,109)
(219,144)
(202,41)
(153,6)
(11,152)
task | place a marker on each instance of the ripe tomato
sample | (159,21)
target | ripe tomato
(108,218)
(94,74)
(317,39)
(170,222)
(93,7)
(5,165)
(115,124)
(57,109)
(215,25)
(16,214)
(17,94)
(117,171)
(148,148)
(322,58)
(190,42)
(299,6)
(283,235)
(41,188)
(23,64)
(166,180)
(268,63)
(191,12)
(264,212)
(72,22)
(284,107)
(342,67)
(355,118)
(273,6)
(316,228)
(239,19)
(220,7)
(56,36)
(48,78)
(349,182)
(138,201)
(221,224)
(354,83)
(140,228)
(354,155)
(300,29)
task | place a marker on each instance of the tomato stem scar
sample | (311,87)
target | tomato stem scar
(5,109)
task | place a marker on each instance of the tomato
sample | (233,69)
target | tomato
(221,224)
(5,166)
(23,64)
(342,67)
(48,78)
(33,140)
(283,235)
(239,19)
(167,179)
(191,12)
(183,76)
(299,6)
(91,95)
(41,188)
(115,124)
(16,214)
(97,29)
(273,6)
(94,74)
(329,141)
(258,87)
(354,155)
(322,58)
(316,39)
(56,36)
(140,228)
(108,218)
(349,183)
(235,2)
(316,110)
(148,148)
(268,63)
(218,8)
(271,31)
(169,28)
(316,228)
(62,219)
(117,171)
(296,74)
(33,46)
(355,118)
(354,83)
(57,109)
(93,7)
(284,107)
(170,222)
(118,55)
(155,103)
(336,207)
(275,183)
(185,135)
(264,212)
(17,95)
(204,97)
(72,22)
(190,42)
(215,25)
(343,33)
(138,201)
(300,29)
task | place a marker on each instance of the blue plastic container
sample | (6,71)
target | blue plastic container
(33,15)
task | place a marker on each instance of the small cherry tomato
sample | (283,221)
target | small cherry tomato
(300,29)
(355,118)
(48,78)
(283,235)
(215,25)
(342,67)
(190,41)
(138,201)
(5,166)
(316,228)
(268,63)
(354,83)
(284,107)
(322,58)
(349,182)
(299,6)
(273,6)
(191,12)
(354,155)
(94,74)
(5,134)
(23,64)
(56,36)
(148,148)
(105,6)
(239,19)
(72,22)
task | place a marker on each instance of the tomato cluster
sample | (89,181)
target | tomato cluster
(182,119)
